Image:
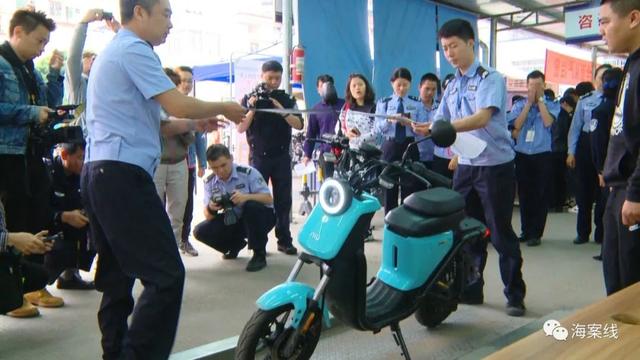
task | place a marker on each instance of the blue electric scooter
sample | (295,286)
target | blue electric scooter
(423,268)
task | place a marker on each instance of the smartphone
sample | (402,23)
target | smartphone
(107,16)
(52,238)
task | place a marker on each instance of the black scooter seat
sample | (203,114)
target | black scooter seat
(408,223)
(435,202)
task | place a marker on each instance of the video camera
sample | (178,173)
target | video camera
(58,129)
(263,95)
(223,200)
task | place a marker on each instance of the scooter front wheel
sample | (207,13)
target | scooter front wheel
(266,334)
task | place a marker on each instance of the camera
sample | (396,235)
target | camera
(58,129)
(263,95)
(223,200)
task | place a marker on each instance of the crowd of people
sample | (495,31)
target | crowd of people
(58,209)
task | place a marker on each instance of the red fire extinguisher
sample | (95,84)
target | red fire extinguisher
(297,64)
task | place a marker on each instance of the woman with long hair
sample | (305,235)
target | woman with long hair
(359,98)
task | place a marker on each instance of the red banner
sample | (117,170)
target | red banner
(567,70)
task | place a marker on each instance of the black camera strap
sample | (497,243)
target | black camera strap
(25,72)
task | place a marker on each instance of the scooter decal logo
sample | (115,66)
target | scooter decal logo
(315,236)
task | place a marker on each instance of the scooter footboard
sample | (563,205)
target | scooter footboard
(294,293)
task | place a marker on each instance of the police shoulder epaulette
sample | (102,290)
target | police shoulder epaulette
(386,100)
(482,72)
(242,169)
(586,95)
(209,178)
(414,98)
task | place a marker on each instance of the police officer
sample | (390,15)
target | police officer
(579,157)
(252,206)
(602,116)
(531,120)
(269,138)
(475,102)
(429,89)
(74,250)
(129,225)
(398,134)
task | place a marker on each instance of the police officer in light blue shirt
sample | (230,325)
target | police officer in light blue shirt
(475,102)
(429,88)
(531,120)
(587,189)
(398,134)
(245,189)
(129,225)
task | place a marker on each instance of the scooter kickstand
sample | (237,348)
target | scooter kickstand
(397,336)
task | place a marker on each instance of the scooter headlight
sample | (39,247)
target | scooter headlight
(335,196)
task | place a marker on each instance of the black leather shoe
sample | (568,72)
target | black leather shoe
(257,262)
(288,249)
(75,283)
(233,254)
(597,257)
(522,238)
(580,240)
(534,242)
(515,309)
(472,299)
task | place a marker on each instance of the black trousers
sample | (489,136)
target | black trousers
(489,193)
(587,192)
(255,223)
(533,174)
(188,212)
(393,151)
(441,166)
(278,170)
(134,239)
(620,248)
(18,276)
(558,188)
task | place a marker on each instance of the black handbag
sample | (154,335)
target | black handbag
(10,283)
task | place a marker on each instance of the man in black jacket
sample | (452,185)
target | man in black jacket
(620,27)
(269,138)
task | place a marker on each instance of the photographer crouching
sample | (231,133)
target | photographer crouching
(74,250)
(238,204)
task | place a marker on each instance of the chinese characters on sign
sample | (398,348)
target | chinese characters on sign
(580,331)
(585,21)
(581,24)
(562,69)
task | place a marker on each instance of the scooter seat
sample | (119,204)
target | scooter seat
(409,223)
(435,202)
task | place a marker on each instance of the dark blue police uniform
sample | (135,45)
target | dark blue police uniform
(587,191)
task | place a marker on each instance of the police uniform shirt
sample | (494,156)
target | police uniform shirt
(534,137)
(123,119)
(468,93)
(427,148)
(582,118)
(243,178)
(389,106)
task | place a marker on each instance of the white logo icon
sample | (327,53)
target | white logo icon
(549,325)
(560,333)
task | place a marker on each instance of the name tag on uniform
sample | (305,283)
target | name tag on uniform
(472,88)
(530,136)
(240,186)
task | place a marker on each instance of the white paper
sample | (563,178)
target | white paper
(468,146)
(300,169)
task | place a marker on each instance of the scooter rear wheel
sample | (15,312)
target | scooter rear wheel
(266,333)
(434,310)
